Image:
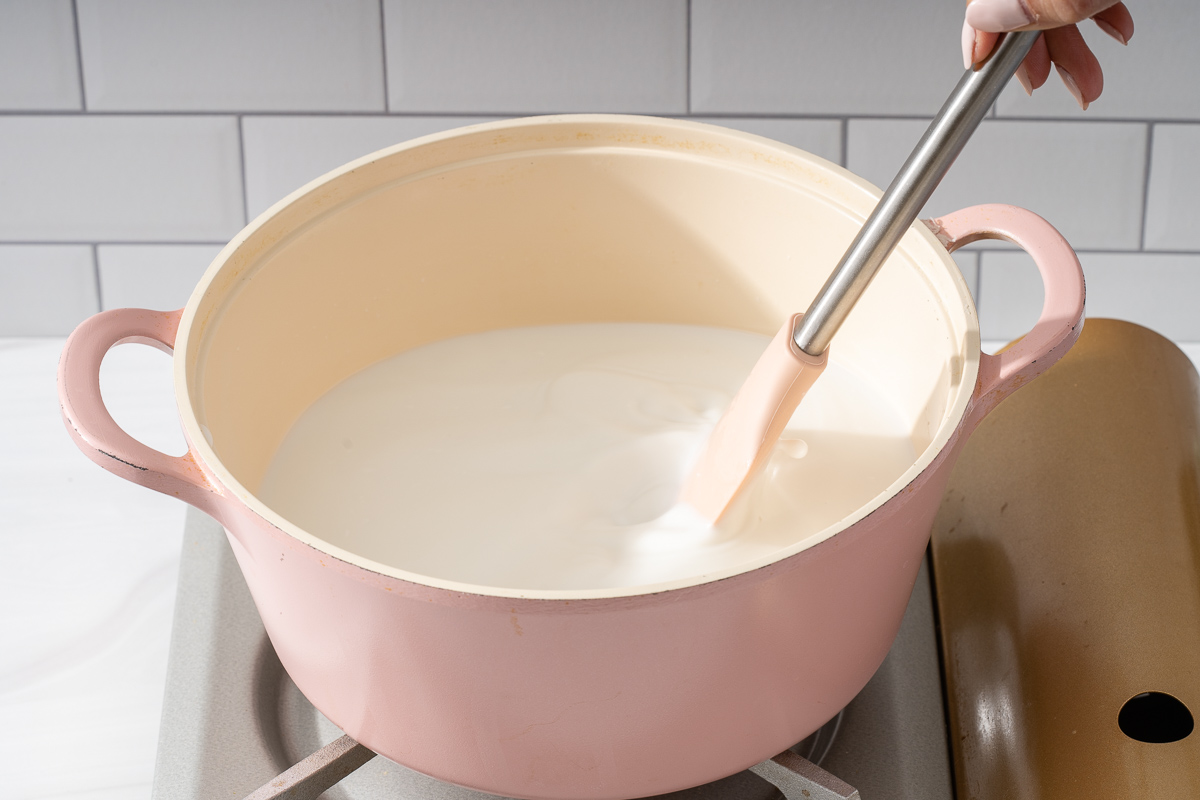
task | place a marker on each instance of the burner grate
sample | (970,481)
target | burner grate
(795,776)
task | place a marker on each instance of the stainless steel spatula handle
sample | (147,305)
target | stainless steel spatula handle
(915,182)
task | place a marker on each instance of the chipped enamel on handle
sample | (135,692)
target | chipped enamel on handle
(1062,312)
(94,430)
(746,434)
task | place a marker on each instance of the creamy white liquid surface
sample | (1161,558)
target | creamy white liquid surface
(551,457)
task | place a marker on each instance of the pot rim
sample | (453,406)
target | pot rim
(190,335)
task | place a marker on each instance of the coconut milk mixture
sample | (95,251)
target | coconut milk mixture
(550,457)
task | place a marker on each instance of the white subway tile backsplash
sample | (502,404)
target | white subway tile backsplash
(968,265)
(39,70)
(777,56)
(232,55)
(1010,295)
(1152,78)
(532,56)
(1160,291)
(284,153)
(159,193)
(1157,290)
(159,276)
(1087,179)
(45,290)
(1173,200)
(100,178)
(821,137)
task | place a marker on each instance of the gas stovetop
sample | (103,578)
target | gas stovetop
(233,720)
(1067,580)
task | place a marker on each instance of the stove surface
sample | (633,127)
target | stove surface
(233,720)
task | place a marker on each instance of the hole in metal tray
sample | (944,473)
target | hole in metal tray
(1156,718)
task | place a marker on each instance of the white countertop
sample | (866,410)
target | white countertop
(89,583)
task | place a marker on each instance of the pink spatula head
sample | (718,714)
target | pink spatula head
(745,436)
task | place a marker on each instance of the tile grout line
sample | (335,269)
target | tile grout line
(978,285)
(96,276)
(687,59)
(764,115)
(79,57)
(1099,251)
(387,102)
(242,171)
(845,141)
(1146,183)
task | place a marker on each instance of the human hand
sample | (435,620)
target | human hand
(1061,44)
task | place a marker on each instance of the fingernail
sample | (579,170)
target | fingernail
(968,45)
(997,16)
(1110,30)
(1072,87)
(1023,79)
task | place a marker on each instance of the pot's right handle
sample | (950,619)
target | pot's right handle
(94,430)
(1062,312)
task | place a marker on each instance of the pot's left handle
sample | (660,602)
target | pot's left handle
(94,430)
(1062,311)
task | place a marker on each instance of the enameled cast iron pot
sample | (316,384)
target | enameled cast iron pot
(569,694)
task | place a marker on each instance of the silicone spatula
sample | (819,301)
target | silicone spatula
(745,436)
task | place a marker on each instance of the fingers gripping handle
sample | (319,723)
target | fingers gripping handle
(91,426)
(1062,312)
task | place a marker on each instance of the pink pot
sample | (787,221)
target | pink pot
(568,694)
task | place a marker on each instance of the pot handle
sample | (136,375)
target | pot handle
(1062,312)
(94,430)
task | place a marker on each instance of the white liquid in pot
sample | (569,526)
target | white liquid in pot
(550,457)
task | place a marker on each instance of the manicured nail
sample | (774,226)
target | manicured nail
(1111,31)
(998,16)
(1072,87)
(968,45)
(1023,79)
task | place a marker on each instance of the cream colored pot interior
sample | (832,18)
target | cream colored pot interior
(555,220)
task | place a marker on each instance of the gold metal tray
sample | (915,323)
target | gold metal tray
(1067,567)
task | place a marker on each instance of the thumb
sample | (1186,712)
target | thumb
(1010,15)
